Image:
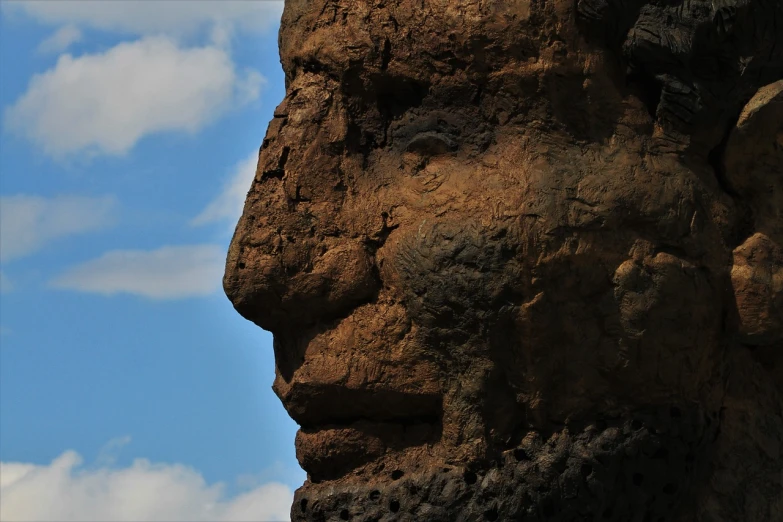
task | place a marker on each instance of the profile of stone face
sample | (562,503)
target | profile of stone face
(523,259)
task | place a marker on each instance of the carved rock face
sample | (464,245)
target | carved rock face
(522,260)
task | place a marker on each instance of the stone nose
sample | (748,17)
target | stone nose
(281,283)
(294,260)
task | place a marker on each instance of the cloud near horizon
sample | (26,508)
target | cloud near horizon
(169,272)
(29,223)
(143,491)
(104,103)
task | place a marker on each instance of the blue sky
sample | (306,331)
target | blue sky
(129,136)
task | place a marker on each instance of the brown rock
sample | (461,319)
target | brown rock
(522,259)
(757,277)
(754,159)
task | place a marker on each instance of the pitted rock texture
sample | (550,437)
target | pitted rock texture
(612,470)
(510,251)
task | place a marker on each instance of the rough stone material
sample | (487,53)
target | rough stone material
(523,259)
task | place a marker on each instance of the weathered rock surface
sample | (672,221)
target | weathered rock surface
(523,259)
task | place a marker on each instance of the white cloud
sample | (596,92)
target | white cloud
(171,17)
(144,491)
(63,38)
(28,223)
(228,204)
(106,102)
(170,272)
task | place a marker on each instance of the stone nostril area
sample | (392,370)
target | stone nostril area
(299,284)
(643,464)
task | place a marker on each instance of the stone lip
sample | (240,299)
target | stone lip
(343,428)
(332,451)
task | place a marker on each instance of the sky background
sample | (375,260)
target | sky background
(130,389)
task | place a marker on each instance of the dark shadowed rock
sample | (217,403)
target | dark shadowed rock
(523,259)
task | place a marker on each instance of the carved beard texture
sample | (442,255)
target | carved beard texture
(639,467)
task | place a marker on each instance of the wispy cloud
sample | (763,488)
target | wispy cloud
(170,272)
(105,103)
(227,206)
(160,16)
(144,491)
(28,223)
(107,455)
(61,40)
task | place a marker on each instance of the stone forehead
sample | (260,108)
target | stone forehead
(343,31)
(342,34)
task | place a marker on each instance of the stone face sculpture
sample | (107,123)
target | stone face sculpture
(523,259)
